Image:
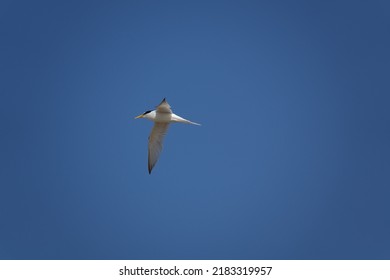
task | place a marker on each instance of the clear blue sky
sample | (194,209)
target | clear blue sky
(292,160)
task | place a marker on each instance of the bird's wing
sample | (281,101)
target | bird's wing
(164,107)
(156,138)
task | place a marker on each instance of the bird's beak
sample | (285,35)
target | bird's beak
(140,116)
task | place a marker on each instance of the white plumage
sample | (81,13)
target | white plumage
(161,117)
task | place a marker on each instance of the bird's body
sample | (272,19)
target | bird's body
(161,117)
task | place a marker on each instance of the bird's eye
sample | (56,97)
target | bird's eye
(147,112)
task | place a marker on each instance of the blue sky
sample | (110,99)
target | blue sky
(292,160)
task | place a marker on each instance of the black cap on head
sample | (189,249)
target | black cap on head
(147,112)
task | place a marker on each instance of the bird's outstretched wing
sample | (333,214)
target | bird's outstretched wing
(164,107)
(156,139)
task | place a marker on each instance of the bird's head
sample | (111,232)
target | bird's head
(147,115)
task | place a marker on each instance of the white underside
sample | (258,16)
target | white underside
(167,118)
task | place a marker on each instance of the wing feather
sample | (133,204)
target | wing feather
(164,107)
(156,139)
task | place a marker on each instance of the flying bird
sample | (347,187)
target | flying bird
(161,117)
